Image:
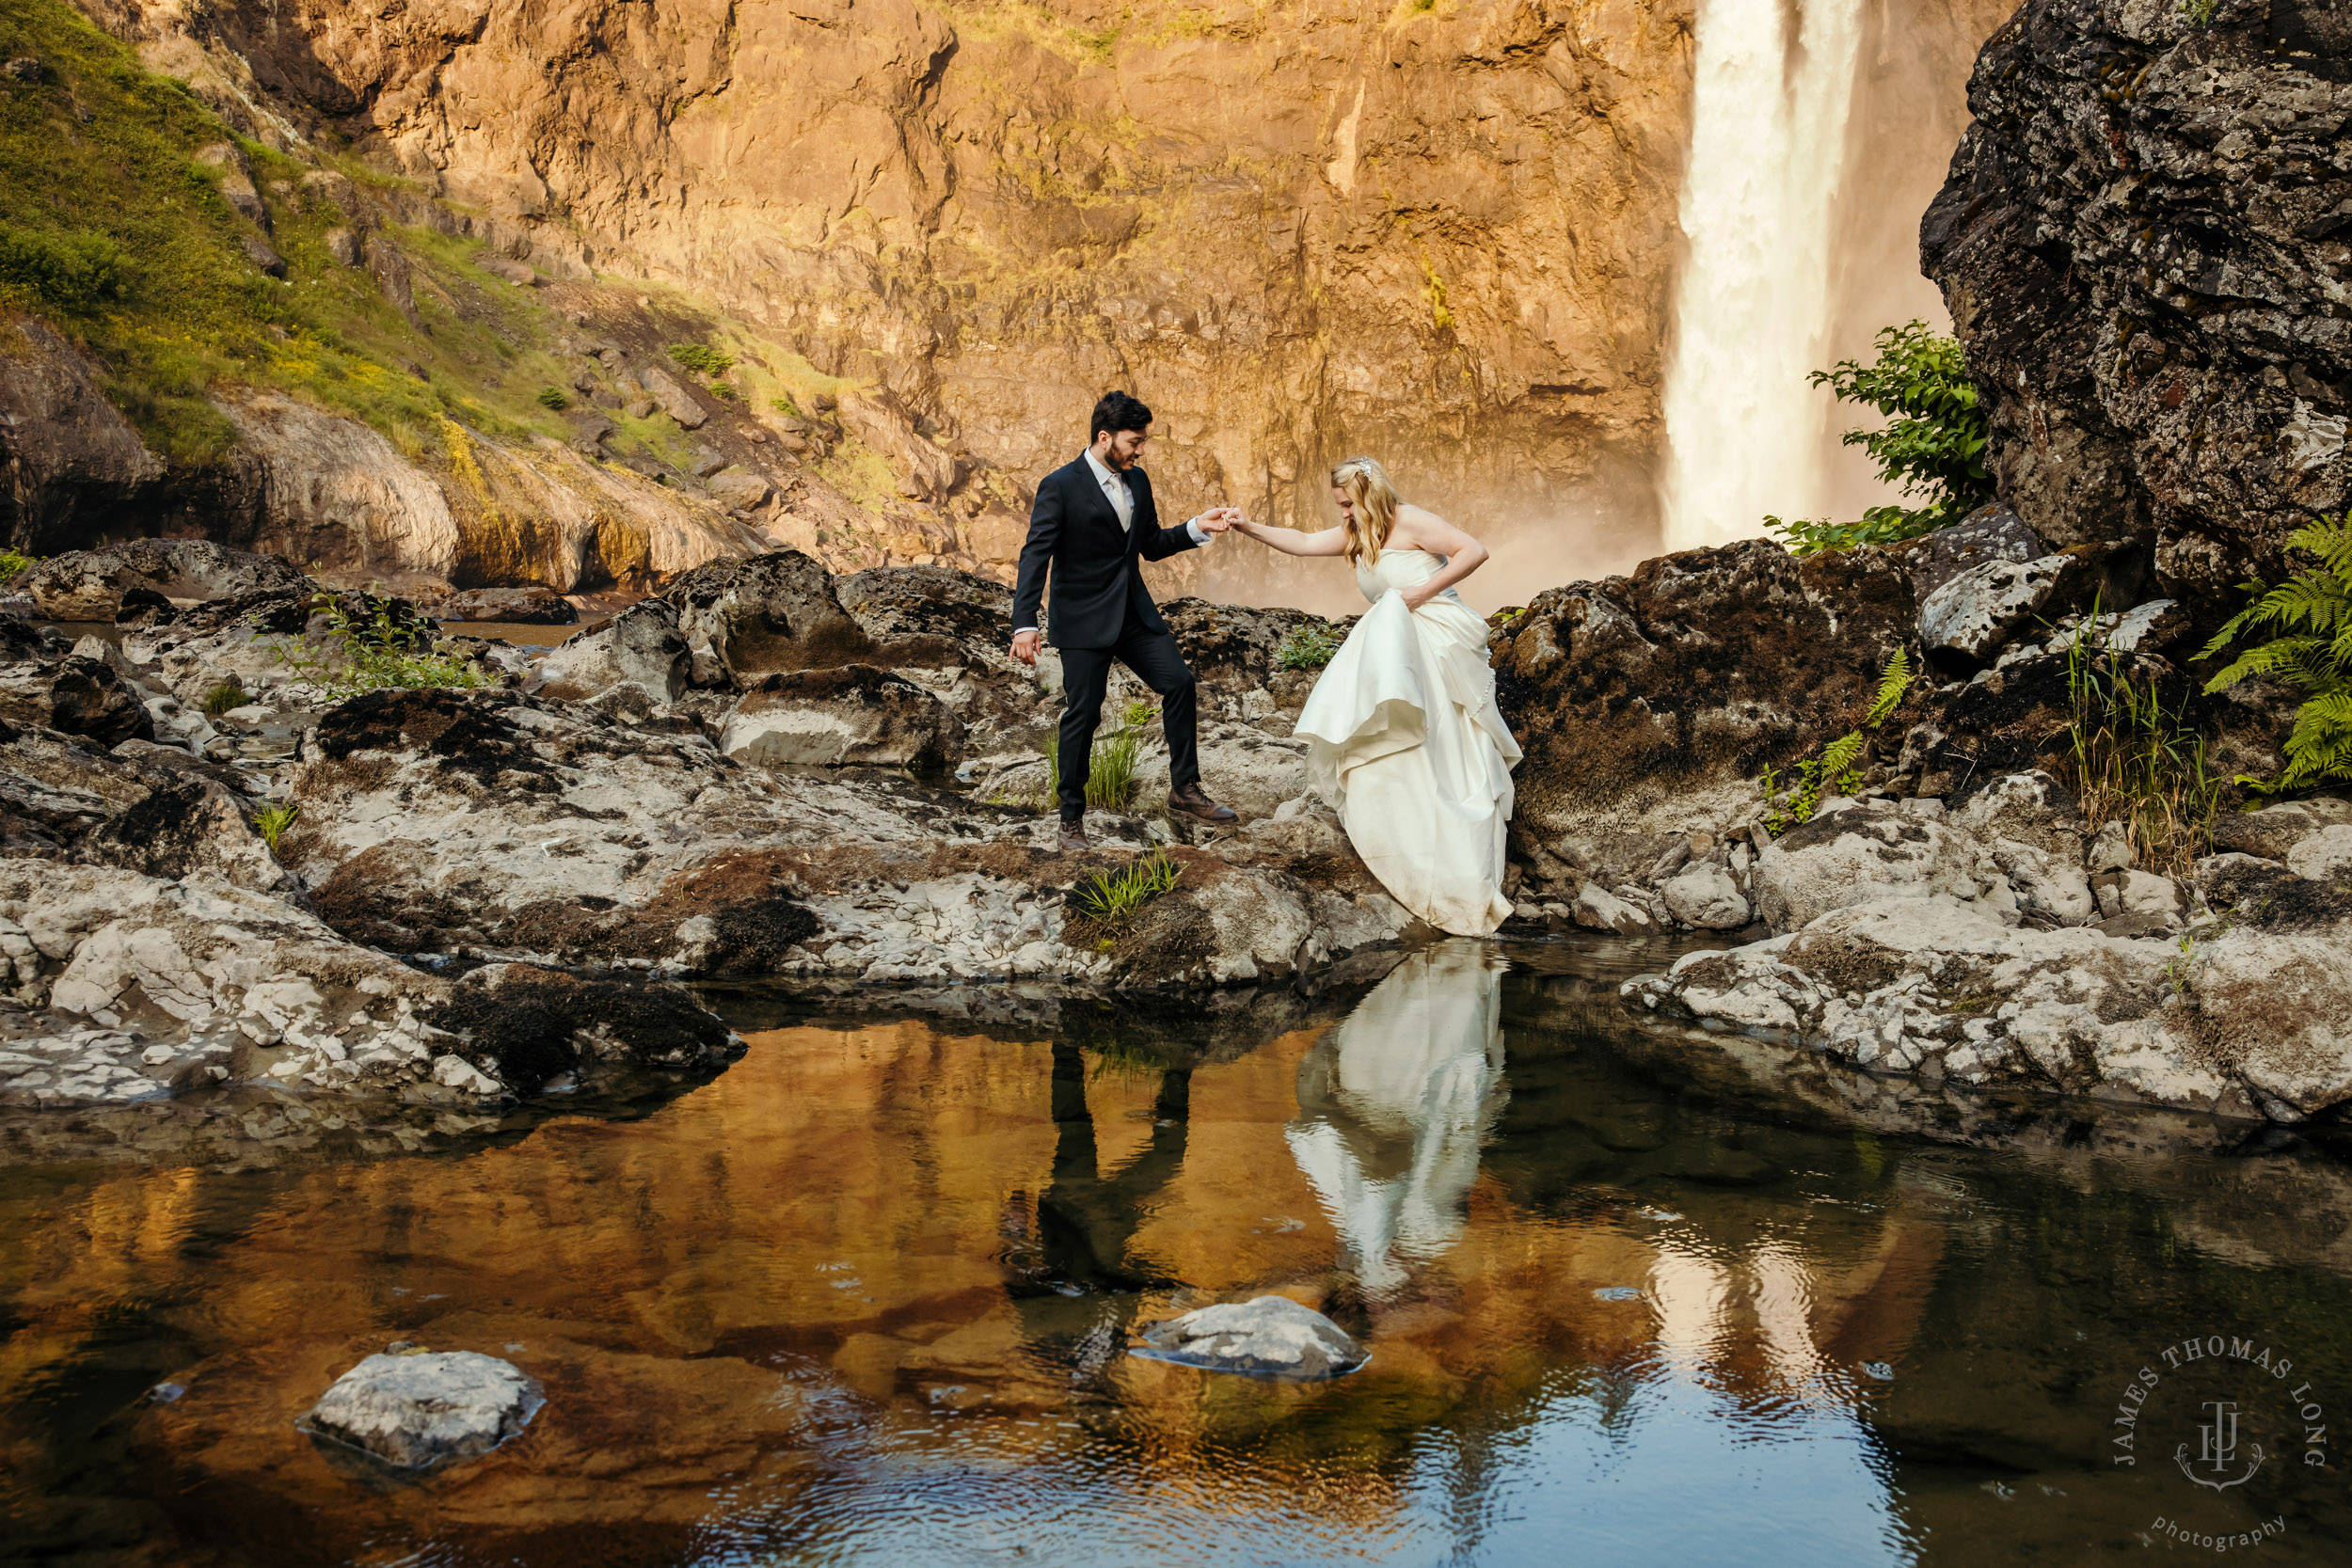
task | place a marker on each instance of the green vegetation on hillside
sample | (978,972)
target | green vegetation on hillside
(1932,447)
(114,232)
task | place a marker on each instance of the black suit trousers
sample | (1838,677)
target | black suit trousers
(1085,674)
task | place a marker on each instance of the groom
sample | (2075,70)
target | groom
(1091,528)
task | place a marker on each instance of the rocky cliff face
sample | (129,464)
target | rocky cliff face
(2146,242)
(1443,232)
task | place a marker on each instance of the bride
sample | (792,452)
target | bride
(1403,735)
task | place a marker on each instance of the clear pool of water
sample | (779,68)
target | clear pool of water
(865,1298)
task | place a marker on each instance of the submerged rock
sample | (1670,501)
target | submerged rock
(415,1411)
(1269,1337)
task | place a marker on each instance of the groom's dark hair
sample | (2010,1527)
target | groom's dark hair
(1115,413)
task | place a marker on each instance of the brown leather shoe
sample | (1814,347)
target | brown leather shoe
(1072,838)
(1193,802)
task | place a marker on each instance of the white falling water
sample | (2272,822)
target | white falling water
(1745,433)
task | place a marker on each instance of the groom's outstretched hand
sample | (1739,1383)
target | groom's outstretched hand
(1024,644)
(1219,518)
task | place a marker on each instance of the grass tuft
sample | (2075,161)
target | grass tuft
(227,695)
(373,651)
(1111,899)
(273,819)
(2136,760)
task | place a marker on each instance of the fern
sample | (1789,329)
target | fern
(1834,770)
(2310,616)
(1894,681)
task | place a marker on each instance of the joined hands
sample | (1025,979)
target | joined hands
(1217,519)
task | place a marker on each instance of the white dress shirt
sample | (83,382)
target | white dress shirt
(1123,501)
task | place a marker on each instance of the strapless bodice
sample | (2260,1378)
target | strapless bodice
(1400,568)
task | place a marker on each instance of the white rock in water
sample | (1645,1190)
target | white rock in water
(1270,1337)
(419,1410)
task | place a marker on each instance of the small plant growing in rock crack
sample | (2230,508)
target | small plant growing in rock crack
(2178,970)
(373,651)
(227,695)
(1111,770)
(1111,899)
(2311,617)
(2136,759)
(1306,648)
(272,819)
(1834,770)
(2198,13)
(12,562)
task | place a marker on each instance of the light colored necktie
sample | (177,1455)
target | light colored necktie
(1122,500)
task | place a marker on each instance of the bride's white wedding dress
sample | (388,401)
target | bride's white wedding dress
(1403,737)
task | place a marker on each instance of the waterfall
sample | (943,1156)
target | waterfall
(1746,434)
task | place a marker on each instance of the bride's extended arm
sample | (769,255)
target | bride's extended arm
(1426,530)
(1290,541)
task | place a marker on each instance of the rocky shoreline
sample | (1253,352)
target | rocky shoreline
(475,890)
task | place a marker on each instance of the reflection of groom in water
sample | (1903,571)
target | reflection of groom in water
(1092,529)
(1081,1287)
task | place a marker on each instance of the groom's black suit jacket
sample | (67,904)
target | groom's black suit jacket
(1097,567)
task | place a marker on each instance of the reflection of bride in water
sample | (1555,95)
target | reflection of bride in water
(1393,1104)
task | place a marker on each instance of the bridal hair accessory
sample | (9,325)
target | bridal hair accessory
(1375,502)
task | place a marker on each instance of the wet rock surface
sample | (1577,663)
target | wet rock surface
(418,1410)
(1268,1337)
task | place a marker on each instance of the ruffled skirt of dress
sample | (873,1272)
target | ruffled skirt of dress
(1403,737)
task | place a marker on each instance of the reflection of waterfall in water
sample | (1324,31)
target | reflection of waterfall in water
(1393,1105)
(1768,145)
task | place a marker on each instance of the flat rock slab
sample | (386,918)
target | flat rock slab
(420,1410)
(1269,1337)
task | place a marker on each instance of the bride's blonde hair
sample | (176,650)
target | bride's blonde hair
(1367,484)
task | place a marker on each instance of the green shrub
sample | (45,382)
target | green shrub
(1307,647)
(1933,446)
(11,562)
(1833,772)
(273,819)
(2311,614)
(373,651)
(705,361)
(554,398)
(76,274)
(2135,760)
(229,694)
(1112,897)
(786,406)
(723,391)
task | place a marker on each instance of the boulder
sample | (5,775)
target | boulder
(741,492)
(90,585)
(766,615)
(1988,535)
(641,645)
(532,605)
(1856,852)
(2273,832)
(854,713)
(74,695)
(1704,897)
(415,1411)
(2144,278)
(1268,1337)
(673,398)
(1973,616)
(1599,910)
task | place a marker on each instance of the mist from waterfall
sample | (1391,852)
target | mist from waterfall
(1753,308)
